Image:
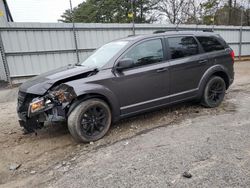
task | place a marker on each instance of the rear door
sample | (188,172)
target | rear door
(217,50)
(187,65)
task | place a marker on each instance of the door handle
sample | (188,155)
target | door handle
(161,70)
(203,61)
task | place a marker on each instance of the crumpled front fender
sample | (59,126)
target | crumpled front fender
(96,89)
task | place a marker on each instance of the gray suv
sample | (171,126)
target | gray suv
(126,77)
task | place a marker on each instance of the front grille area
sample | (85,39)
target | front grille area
(23,101)
(20,99)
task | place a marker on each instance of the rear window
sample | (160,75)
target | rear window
(210,44)
(182,47)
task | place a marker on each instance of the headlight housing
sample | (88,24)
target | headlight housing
(37,105)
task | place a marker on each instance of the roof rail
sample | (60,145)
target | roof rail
(164,31)
(133,35)
(208,30)
(159,31)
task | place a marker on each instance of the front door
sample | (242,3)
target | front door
(146,83)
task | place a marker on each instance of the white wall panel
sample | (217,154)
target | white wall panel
(34,48)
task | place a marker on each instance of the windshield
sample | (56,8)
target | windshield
(105,53)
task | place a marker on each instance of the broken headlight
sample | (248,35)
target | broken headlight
(37,105)
(60,95)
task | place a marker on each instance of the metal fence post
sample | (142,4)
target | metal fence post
(5,63)
(133,18)
(241,25)
(74,32)
(240,43)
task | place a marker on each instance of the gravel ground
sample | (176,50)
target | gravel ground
(150,150)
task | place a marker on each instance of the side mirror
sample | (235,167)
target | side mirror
(124,64)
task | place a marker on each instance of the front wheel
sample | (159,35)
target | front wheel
(214,92)
(90,120)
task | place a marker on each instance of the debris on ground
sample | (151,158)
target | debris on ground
(58,166)
(126,143)
(73,159)
(33,172)
(187,174)
(11,132)
(14,166)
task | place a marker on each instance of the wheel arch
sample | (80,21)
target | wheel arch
(217,70)
(224,76)
(80,98)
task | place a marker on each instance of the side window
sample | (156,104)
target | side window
(147,52)
(182,47)
(210,44)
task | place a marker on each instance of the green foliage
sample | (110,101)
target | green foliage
(210,4)
(169,11)
(209,9)
(110,11)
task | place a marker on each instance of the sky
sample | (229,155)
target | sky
(39,10)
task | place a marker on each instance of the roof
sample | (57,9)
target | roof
(168,33)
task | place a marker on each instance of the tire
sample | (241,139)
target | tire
(90,120)
(214,92)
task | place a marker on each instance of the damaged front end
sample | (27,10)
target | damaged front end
(34,110)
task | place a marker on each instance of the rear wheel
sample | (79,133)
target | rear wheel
(214,92)
(90,120)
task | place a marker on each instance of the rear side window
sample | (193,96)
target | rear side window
(210,44)
(182,47)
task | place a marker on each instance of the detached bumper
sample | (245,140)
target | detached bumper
(22,116)
(30,125)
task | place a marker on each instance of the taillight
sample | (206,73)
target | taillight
(232,55)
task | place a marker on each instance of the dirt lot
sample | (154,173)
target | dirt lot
(153,149)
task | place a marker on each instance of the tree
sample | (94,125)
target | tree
(194,12)
(231,14)
(210,8)
(111,11)
(230,5)
(173,10)
(225,12)
(247,16)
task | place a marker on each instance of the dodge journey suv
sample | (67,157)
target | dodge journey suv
(126,77)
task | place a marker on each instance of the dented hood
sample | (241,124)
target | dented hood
(40,84)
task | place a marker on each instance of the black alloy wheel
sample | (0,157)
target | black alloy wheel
(214,92)
(93,120)
(90,120)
